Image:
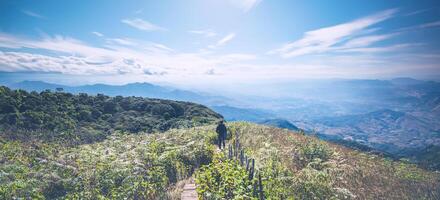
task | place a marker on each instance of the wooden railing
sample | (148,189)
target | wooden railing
(236,152)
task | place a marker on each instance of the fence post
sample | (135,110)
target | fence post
(255,193)
(247,163)
(238,150)
(235,149)
(241,157)
(237,145)
(252,170)
(230,151)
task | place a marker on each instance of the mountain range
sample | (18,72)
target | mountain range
(398,117)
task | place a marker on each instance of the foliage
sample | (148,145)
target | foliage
(120,167)
(313,153)
(58,116)
(313,184)
(408,171)
(429,157)
(278,181)
(223,179)
(107,162)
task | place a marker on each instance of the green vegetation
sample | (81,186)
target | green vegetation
(429,157)
(68,118)
(120,167)
(302,167)
(151,166)
(56,145)
(64,146)
(223,178)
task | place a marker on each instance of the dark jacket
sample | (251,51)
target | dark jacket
(221,130)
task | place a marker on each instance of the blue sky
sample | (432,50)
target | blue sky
(208,42)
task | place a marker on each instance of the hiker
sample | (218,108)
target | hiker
(221,132)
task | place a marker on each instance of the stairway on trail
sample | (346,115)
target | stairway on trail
(189,191)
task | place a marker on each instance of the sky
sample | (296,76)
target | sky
(207,43)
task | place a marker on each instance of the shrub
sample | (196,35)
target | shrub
(223,179)
(277,179)
(313,152)
(313,184)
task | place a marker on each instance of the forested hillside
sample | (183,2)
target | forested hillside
(84,118)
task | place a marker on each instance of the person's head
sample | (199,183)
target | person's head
(220,122)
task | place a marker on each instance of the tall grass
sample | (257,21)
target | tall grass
(322,170)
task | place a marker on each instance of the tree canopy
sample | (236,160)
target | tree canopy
(87,118)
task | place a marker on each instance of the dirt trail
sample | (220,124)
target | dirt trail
(189,191)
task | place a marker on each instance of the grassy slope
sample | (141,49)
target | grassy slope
(148,166)
(351,173)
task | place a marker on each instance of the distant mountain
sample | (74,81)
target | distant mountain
(280,123)
(258,116)
(393,132)
(383,127)
(231,113)
(405,81)
(399,116)
(132,89)
(35,86)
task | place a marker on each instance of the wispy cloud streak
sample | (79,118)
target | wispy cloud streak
(223,41)
(326,39)
(205,33)
(430,24)
(142,24)
(33,14)
(97,34)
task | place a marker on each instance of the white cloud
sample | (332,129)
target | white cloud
(378,49)
(205,33)
(245,5)
(118,56)
(417,12)
(97,34)
(325,39)
(122,41)
(149,61)
(33,14)
(433,24)
(430,24)
(163,47)
(142,24)
(129,45)
(223,41)
(366,40)
(58,44)
(226,39)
